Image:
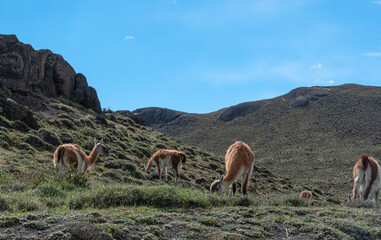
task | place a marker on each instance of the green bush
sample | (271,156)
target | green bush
(6,221)
(37,142)
(4,204)
(49,190)
(26,204)
(37,225)
(157,196)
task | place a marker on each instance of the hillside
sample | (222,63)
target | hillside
(117,199)
(128,146)
(312,135)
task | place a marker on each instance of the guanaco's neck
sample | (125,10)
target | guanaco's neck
(94,155)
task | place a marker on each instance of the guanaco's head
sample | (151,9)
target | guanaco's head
(98,145)
(148,166)
(217,185)
(350,197)
(147,169)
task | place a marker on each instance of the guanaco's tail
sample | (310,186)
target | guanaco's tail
(183,158)
(58,155)
(364,161)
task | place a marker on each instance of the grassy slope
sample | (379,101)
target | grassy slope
(128,148)
(34,202)
(316,145)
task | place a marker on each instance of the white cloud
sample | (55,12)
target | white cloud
(128,37)
(377,2)
(372,54)
(296,72)
(316,66)
(323,82)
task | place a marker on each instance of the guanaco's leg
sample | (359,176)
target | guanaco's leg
(375,197)
(233,189)
(165,173)
(245,183)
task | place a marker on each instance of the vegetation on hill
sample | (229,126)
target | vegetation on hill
(118,197)
(313,136)
(118,200)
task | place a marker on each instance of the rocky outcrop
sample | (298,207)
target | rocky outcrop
(301,97)
(24,69)
(155,115)
(240,110)
(14,111)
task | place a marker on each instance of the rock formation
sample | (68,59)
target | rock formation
(24,69)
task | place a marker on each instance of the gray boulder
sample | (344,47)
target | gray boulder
(14,111)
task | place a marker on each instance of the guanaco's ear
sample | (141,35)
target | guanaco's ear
(221,177)
(102,141)
(218,177)
(95,141)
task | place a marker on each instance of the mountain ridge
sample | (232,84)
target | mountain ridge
(309,132)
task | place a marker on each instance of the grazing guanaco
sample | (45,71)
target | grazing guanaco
(72,154)
(164,158)
(306,195)
(366,174)
(239,163)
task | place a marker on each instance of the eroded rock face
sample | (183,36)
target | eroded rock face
(24,69)
(14,111)
(301,97)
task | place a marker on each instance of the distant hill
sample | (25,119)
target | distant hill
(312,135)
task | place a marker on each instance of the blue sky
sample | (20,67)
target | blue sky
(199,55)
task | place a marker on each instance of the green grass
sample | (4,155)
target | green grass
(117,197)
(316,146)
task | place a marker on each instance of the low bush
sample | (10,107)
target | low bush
(49,190)
(157,196)
(4,204)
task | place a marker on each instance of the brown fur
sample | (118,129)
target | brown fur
(307,195)
(177,159)
(364,162)
(238,158)
(71,151)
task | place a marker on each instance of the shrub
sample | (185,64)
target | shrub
(6,221)
(65,137)
(4,205)
(37,225)
(157,196)
(84,231)
(67,123)
(360,204)
(17,186)
(115,231)
(4,122)
(49,190)
(48,137)
(294,200)
(87,122)
(25,146)
(20,126)
(37,142)
(26,204)
(58,236)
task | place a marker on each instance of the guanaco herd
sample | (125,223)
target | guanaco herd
(239,164)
